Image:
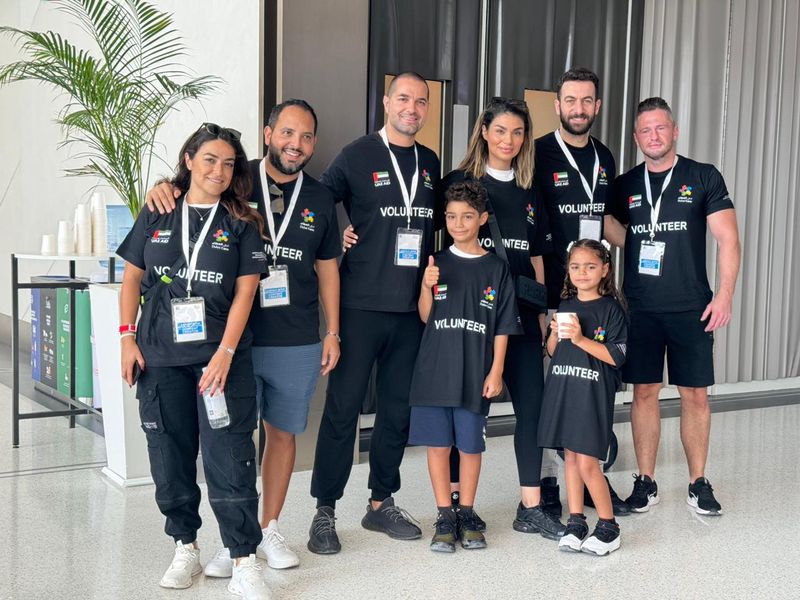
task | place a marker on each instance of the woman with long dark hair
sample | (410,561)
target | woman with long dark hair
(500,155)
(194,273)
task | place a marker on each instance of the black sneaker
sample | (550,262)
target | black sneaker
(391,520)
(444,540)
(551,501)
(644,494)
(471,537)
(701,498)
(535,520)
(621,508)
(576,532)
(455,499)
(322,538)
(604,539)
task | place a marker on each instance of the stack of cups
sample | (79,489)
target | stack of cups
(83,230)
(99,224)
(66,239)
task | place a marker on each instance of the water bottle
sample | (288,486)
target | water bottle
(216,408)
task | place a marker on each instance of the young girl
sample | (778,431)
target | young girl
(588,347)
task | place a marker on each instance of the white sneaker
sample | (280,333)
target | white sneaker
(274,550)
(221,565)
(247,580)
(185,565)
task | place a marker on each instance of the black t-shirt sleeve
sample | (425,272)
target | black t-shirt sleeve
(617,334)
(251,251)
(335,178)
(507,320)
(619,203)
(132,247)
(717,197)
(540,238)
(331,245)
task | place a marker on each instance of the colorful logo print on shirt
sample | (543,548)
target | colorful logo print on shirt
(161,236)
(426,177)
(602,175)
(560,179)
(685,193)
(381,178)
(489,294)
(308,219)
(599,334)
(531,214)
(440,291)
(221,240)
(635,201)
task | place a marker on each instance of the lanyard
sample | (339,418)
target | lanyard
(571,160)
(408,198)
(655,208)
(287,215)
(191,255)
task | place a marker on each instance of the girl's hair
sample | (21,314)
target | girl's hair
(235,199)
(477,157)
(607,286)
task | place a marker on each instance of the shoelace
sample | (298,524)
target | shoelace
(576,527)
(183,557)
(275,539)
(639,485)
(324,524)
(251,573)
(222,554)
(395,513)
(704,490)
(605,532)
(444,525)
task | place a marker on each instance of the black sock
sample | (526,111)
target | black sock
(578,515)
(325,502)
(465,509)
(612,520)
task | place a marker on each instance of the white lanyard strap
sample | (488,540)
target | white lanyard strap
(408,198)
(287,214)
(191,255)
(655,208)
(571,160)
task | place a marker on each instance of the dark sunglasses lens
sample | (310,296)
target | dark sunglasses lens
(211,128)
(235,135)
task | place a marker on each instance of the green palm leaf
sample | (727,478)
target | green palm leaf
(117,101)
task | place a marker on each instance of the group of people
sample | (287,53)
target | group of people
(230,264)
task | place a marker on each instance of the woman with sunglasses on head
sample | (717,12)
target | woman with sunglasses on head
(194,273)
(500,155)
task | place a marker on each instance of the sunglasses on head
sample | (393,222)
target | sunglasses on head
(221,132)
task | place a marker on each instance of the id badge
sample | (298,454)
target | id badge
(408,247)
(188,320)
(590,227)
(651,257)
(274,290)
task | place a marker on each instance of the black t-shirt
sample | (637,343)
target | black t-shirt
(695,191)
(312,234)
(362,177)
(578,402)
(565,199)
(231,249)
(523,225)
(473,302)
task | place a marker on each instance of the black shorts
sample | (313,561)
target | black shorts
(689,349)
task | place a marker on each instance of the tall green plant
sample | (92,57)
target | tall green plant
(119,99)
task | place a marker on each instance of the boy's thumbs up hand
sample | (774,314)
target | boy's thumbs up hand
(431,277)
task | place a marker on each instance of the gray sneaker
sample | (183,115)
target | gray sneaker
(391,520)
(322,538)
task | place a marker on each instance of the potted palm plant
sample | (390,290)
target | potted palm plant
(117,99)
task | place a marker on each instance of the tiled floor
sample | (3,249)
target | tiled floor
(67,532)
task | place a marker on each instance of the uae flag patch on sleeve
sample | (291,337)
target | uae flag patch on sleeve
(560,179)
(380,178)
(440,291)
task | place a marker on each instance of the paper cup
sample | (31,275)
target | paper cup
(48,244)
(563,318)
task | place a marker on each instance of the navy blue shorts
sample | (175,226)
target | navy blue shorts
(443,427)
(689,349)
(286,377)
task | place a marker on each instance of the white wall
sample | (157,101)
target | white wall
(222,38)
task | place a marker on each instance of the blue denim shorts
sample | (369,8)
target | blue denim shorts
(441,426)
(286,377)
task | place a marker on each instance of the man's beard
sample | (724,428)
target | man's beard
(574,131)
(275,159)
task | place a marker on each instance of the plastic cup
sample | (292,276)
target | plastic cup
(564,318)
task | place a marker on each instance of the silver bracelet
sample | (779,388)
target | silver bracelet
(230,351)
(334,334)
